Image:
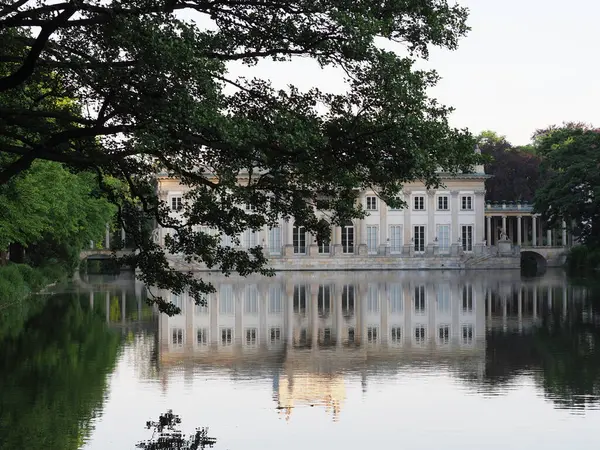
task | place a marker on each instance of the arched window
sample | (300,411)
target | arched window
(299,239)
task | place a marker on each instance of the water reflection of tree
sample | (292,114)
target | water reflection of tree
(562,352)
(167,436)
(53,376)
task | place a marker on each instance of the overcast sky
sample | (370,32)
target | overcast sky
(526,64)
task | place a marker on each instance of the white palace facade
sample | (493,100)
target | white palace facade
(439,228)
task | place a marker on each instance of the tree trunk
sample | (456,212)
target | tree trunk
(3,257)
(17,253)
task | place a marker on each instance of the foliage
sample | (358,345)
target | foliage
(515,170)
(167,436)
(54,211)
(153,94)
(570,189)
(583,259)
(19,280)
(53,376)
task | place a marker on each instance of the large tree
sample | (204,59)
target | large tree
(155,94)
(570,172)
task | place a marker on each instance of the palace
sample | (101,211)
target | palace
(440,228)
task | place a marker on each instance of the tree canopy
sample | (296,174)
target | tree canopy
(152,93)
(570,189)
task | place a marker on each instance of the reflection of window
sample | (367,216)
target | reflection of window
(372,334)
(373,299)
(324,300)
(251,334)
(467,298)
(177,337)
(325,336)
(275,300)
(420,334)
(443,299)
(419,298)
(348,300)
(202,336)
(300,299)
(275,334)
(396,333)
(226,336)
(303,336)
(351,335)
(226,300)
(443,334)
(396,299)
(251,300)
(467,334)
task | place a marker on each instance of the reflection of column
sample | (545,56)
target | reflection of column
(238,315)
(533,231)
(213,311)
(139,308)
(520,308)
(123,305)
(339,320)
(519,233)
(289,297)
(550,298)
(535,295)
(489,307)
(489,230)
(314,316)
(262,314)
(564,301)
(107,307)
(384,313)
(91,300)
(504,312)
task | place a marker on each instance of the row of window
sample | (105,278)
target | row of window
(372,203)
(395,335)
(300,300)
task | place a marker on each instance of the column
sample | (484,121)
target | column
(430,216)
(479,216)
(541,233)
(519,232)
(362,223)
(288,240)
(407,225)
(107,237)
(489,233)
(548,237)
(564,233)
(454,210)
(382,223)
(533,231)
(504,225)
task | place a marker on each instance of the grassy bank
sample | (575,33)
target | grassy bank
(17,281)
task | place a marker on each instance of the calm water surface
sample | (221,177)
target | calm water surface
(415,360)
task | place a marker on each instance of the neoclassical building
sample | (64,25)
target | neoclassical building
(447,223)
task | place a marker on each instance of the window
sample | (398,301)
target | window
(348,239)
(419,203)
(396,299)
(275,334)
(443,235)
(467,238)
(395,238)
(226,241)
(324,301)
(202,309)
(176,203)
(372,240)
(251,300)
(300,299)
(419,299)
(250,238)
(419,238)
(372,335)
(371,203)
(275,300)
(396,333)
(323,245)
(443,203)
(226,300)
(275,241)
(467,334)
(299,239)
(177,300)
(420,334)
(250,207)
(443,334)
(202,336)
(467,298)
(466,203)
(348,300)
(177,337)
(251,336)
(393,208)
(443,299)
(226,336)
(372,299)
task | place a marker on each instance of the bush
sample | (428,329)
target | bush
(583,258)
(19,280)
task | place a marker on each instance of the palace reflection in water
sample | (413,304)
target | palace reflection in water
(308,331)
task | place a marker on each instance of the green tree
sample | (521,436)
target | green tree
(53,374)
(154,94)
(570,188)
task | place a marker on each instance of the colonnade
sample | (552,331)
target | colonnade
(523,230)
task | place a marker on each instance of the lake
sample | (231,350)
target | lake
(416,360)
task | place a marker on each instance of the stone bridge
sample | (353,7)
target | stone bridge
(102,254)
(547,256)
